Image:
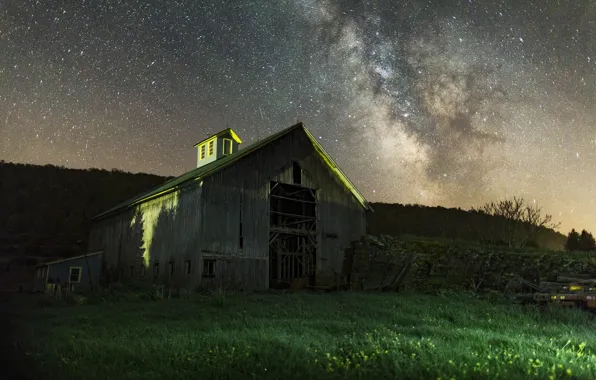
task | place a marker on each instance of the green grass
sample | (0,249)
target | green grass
(322,336)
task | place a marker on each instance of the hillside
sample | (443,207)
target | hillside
(450,223)
(43,209)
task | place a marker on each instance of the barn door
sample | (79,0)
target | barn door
(292,234)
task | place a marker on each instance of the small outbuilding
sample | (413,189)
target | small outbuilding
(79,273)
(274,213)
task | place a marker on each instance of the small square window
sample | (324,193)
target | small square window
(211,147)
(187,267)
(208,268)
(74,274)
(203,151)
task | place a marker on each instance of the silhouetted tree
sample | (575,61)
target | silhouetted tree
(452,223)
(518,222)
(572,243)
(586,241)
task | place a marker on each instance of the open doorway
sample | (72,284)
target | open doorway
(292,234)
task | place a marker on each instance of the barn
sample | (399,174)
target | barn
(79,273)
(264,216)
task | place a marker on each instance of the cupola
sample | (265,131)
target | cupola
(219,145)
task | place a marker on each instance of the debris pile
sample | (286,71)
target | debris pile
(378,264)
(388,263)
(575,289)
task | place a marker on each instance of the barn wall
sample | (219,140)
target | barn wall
(341,219)
(161,231)
(243,189)
(91,269)
(202,222)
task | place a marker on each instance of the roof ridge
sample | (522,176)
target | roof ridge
(208,169)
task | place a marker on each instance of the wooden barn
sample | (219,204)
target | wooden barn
(270,214)
(79,273)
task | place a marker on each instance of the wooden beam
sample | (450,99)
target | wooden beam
(293,231)
(304,217)
(292,199)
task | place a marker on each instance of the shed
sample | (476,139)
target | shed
(79,273)
(276,212)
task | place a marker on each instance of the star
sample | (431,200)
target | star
(459,103)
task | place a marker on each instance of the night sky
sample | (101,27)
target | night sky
(433,102)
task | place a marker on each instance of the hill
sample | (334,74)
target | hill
(449,223)
(44,209)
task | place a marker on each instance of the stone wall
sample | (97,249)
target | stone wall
(375,262)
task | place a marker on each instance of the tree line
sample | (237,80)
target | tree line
(583,241)
(44,210)
(512,223)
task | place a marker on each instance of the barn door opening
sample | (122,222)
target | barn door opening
(292,234)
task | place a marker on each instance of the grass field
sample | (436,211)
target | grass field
(322,336)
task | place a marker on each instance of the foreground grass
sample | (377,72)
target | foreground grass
(320,336)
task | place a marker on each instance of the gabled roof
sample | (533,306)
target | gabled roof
(227,131)
(213,167)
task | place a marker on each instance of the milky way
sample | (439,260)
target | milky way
(448,103)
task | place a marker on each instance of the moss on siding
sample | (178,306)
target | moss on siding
(149,213)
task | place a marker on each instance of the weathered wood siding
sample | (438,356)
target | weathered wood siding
(244,188)
(169,224)
(58,273)
(202,221)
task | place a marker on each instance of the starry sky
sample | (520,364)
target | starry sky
(450,103)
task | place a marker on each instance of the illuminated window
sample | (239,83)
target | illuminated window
(227,146)
(74,275)
(187,267)
(211,147)
(202,149)
(208,268)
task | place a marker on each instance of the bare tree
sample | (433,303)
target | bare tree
(517,221)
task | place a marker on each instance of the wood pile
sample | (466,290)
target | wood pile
(377,264)
(570,282)
(574,289)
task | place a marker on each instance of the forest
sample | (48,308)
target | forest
(44,212)
(44,209)
(481,226)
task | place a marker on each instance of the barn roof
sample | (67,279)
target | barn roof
(213,167)
(67,259)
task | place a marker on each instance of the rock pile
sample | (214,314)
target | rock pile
(387,263)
